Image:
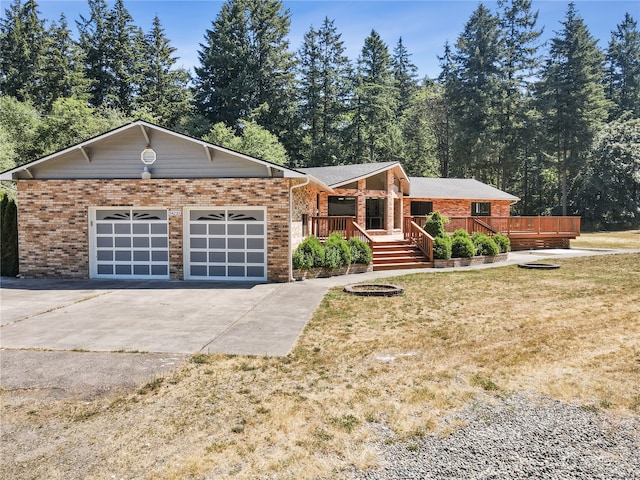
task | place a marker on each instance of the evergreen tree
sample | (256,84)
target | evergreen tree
(246,70)
(405,74)
(443,132)
(224,88)
(420,122)
(623,68)
(63,66)
(94,42)
(376,136)
(127,48)
(519,66)
(164,90)
(8,237)
(323,90)
(273,66)
(572,98)
(22,53)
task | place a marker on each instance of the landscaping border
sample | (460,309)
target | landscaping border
(466,262)
(322,272)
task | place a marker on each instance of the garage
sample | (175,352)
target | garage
(129,243)
(226,244)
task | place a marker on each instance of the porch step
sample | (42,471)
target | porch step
(398,254)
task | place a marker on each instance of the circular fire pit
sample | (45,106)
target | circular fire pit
(539,266)
(374,290)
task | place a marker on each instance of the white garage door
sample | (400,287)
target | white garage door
(226,244)
(129,243)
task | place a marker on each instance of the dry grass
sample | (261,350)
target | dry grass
(624,239)
(572,333)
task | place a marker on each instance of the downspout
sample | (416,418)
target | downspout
(308,180)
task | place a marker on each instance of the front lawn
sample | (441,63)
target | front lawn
(572,334)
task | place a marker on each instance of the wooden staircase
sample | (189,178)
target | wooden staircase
(398,254)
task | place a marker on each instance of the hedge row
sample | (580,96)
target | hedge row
(336,252)
(460,244)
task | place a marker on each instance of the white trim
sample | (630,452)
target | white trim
(288,173)
(85,154)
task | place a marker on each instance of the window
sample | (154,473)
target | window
(377,182)
(342,206)
(480,209)
(421,209)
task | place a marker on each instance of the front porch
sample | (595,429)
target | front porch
(412,247)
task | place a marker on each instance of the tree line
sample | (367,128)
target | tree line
(556,125)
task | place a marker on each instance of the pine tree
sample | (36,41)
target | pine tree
(323,90)
(623,68)
(164,90)
(374,129)
(246,70)
(420,123)
(127,48)
(272,66)
(94,42)
(520,63)
(22,51)
(405,74)
(473,93)
(571,97)
(444,135)
(63,66)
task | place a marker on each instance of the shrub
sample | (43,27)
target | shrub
(442,248)
(503,242)
(434,225)
(310,253)
(461,232)
(462,246)
(336,242)
(9,266)
(360,251)
(484,244)
(332,258)
(302,261)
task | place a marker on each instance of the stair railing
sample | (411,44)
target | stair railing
(420,238)
(355,230)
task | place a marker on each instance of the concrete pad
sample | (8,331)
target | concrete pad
(28,375)
(152,317)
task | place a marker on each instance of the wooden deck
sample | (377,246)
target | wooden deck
(525,233)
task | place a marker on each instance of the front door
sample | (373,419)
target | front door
(376,208)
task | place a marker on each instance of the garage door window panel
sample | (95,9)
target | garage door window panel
(130,243)
(232,241)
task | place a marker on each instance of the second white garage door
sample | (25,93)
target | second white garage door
(226,244)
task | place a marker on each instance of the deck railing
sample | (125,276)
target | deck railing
(416,235)
(513,226)
(322,227)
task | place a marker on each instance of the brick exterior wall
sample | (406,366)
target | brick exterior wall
(53,226)
(361,194)
(459,208)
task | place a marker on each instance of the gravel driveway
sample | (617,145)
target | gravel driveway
(521,437)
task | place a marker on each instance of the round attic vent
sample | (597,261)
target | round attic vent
(148,156)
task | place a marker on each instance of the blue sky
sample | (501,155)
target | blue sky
(424,25)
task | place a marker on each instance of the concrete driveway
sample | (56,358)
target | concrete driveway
(171,317)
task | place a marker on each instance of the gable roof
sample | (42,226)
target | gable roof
(342,174)
(456,188)
(116,153)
